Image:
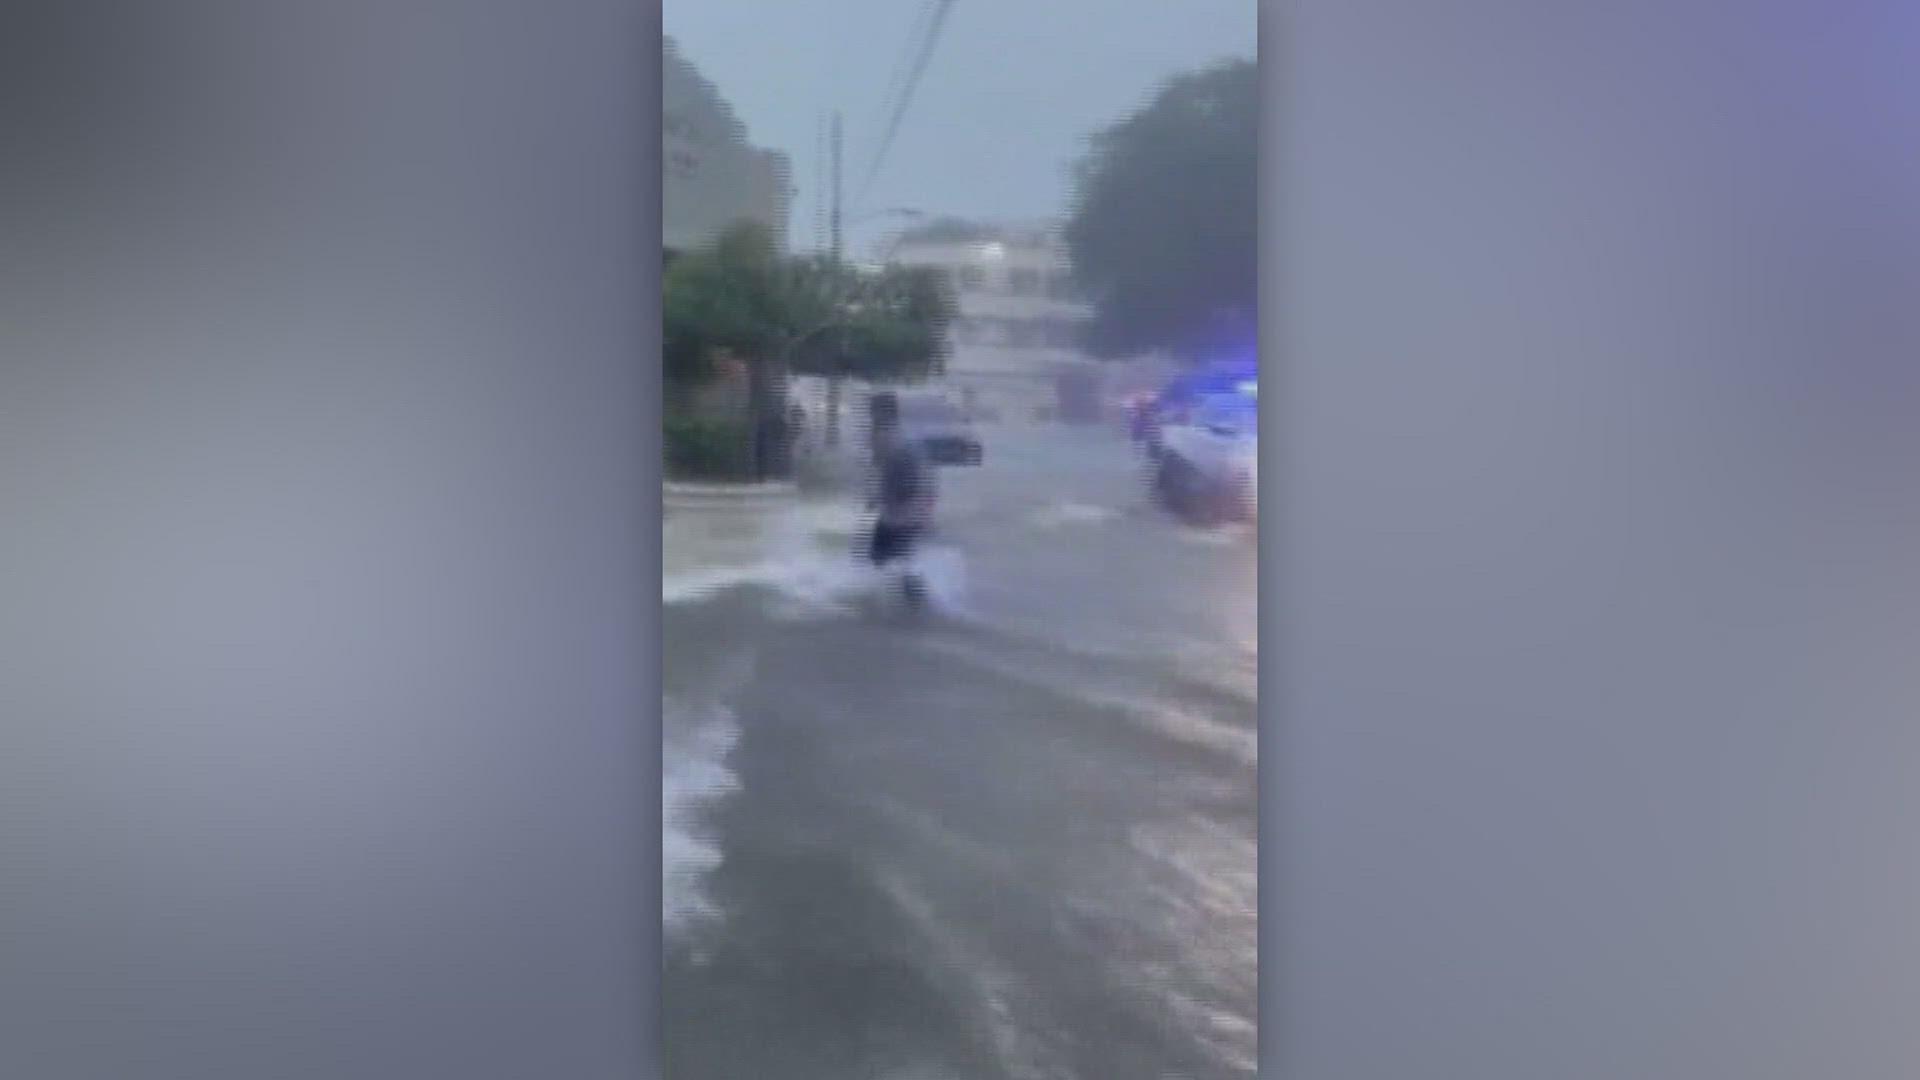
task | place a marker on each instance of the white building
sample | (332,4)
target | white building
(1019,319)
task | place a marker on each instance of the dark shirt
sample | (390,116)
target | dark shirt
(905,482)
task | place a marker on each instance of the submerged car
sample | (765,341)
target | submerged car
(1208,463)
(942,429)
(1180,401)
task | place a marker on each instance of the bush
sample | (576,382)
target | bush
(708,448)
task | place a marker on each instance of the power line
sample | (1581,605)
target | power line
(902,71)
(932,25)
(935,24)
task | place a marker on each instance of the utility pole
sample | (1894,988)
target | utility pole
(835,191)
(820,182)
(834,216)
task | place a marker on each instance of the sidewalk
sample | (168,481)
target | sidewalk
(817,469)
(681,495)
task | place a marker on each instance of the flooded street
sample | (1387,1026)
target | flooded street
(1014,839)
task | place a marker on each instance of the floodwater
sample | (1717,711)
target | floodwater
(1015,837)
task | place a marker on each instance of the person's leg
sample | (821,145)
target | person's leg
(914,589)
(888,543)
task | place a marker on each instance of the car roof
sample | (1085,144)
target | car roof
(1212,380)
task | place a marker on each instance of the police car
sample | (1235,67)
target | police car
(1206,456)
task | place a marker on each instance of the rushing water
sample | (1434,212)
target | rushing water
(1014,838)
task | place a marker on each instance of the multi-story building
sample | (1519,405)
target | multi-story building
(711,176)
(1020,319)
(711,179)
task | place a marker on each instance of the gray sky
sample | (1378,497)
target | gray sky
(1013,88)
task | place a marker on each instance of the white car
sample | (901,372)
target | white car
(1209,463)
(941,428)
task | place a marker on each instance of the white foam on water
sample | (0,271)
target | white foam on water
(696,584)
(693,776)
(1210,893)
(943,570)
(1237,743)
(813,558)
(1071,513)
(804,555)
(816,518)
(996,992)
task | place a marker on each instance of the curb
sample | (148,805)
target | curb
(769,489)
(688,496)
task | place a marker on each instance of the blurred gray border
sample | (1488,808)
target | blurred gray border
(1273,67)
(647,336)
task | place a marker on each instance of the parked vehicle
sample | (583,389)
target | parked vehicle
(1207,462)
(1176,403)
(942,429)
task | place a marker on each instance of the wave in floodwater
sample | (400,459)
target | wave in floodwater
(1214,715)
(812,564)
(1059,515)
(694,776)
(807,557)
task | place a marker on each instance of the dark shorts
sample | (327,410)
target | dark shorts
(892,542)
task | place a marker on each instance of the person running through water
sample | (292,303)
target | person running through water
(904,492)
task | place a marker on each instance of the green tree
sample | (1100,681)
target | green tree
(898,333)
(886,325)
(742,297)
(1163,234)
(739,297)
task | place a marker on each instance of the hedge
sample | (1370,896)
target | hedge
(709,448)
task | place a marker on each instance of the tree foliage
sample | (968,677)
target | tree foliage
(888,325)
(739,296)
(743,297)
(1163,235)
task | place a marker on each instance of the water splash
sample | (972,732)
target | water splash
(1071,513)
(813,559)
(943,570)
(693,776)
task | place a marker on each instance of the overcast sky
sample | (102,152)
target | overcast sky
(1013,88)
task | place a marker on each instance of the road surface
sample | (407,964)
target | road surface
(1017,840)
